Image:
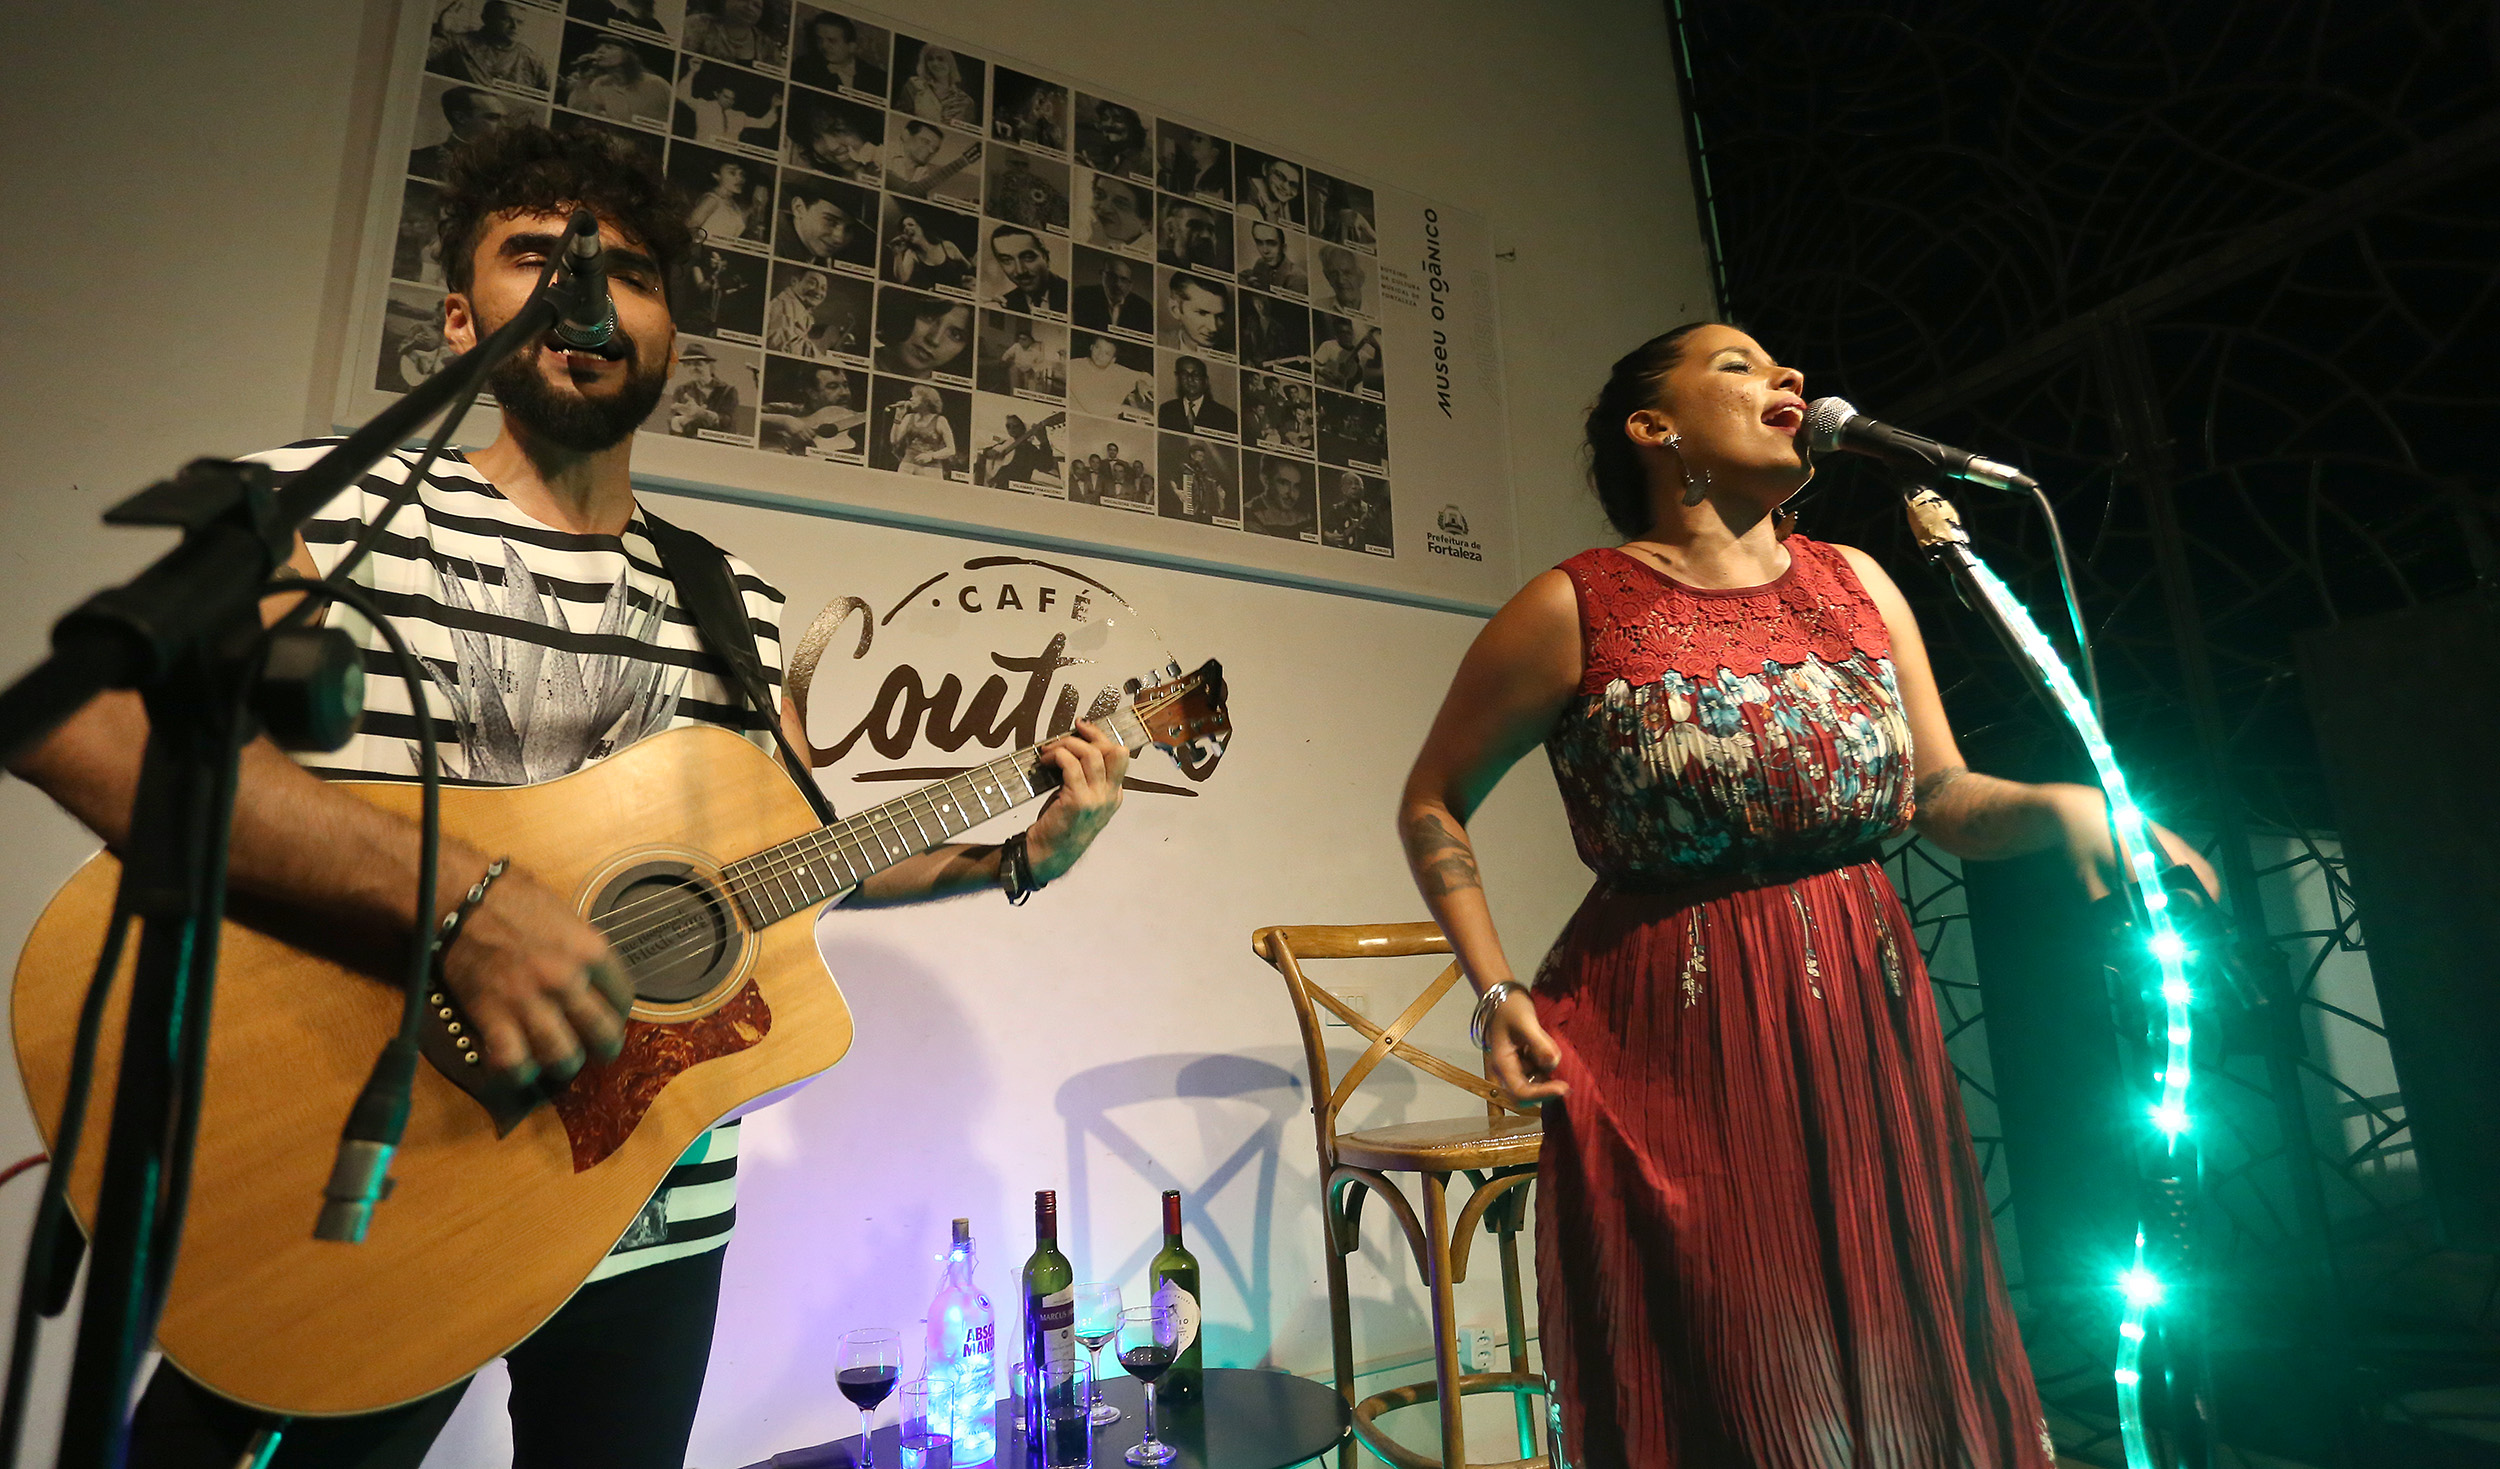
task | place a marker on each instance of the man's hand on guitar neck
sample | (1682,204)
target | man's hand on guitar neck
(1091,764)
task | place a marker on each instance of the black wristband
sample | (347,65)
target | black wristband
(1015,870)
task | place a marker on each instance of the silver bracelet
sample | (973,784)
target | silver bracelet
(1492,1000)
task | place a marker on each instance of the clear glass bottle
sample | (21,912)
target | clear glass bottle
(962,1356)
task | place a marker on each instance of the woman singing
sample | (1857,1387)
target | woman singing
(1762,1237)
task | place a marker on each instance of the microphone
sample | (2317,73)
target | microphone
(587,322)
(1831,423)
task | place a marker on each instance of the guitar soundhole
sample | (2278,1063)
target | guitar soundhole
(673,928)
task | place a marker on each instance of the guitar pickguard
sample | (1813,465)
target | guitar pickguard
(605,1103)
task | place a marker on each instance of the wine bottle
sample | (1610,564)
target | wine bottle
(1174,1276)
(961,1345)
(1049,1296)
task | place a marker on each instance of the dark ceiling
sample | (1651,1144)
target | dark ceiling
(2277,224)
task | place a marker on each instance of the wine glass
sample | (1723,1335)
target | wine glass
(1150,1338)
(1097,1321)
(870,1360)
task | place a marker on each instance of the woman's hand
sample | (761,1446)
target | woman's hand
(1519,1055)
(2082,814)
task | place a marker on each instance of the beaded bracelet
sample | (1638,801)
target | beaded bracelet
(458,918)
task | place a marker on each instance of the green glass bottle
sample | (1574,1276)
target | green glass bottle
(1174,1276)
(1049,1289)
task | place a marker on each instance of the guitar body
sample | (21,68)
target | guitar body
(483,1236)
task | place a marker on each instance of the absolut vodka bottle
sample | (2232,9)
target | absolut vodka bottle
(962,1353)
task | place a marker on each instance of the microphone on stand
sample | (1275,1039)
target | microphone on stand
(588,320)
(1831,423)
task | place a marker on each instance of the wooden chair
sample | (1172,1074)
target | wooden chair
(1497,1153)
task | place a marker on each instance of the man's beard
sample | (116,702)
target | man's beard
(582,424)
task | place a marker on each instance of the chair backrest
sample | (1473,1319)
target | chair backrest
(1288,947)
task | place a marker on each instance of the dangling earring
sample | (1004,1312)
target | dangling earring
(1693,493)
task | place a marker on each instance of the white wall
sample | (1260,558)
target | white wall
(176,181)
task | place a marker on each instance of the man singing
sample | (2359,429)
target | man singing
(529,554)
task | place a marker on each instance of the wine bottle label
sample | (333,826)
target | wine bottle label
(1184,1308)
(1055,1319)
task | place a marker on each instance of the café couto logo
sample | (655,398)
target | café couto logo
(992,655)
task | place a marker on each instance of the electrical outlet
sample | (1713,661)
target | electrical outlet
(1477,1343)
(1358,1001)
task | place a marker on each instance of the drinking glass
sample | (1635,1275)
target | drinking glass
(1062,1388)
(924,1445)
(1149,1338)
(1097,1321)
(870,1359)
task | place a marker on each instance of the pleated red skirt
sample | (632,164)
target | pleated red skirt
(1762,1237)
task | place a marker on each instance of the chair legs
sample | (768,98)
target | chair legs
(1438,1254)
(1444,1321)
(1515,1322)
(1340,1311)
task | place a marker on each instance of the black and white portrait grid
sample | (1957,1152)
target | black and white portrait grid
(915,259)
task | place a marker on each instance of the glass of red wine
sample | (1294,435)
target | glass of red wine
(870,1360)
(1149,1338)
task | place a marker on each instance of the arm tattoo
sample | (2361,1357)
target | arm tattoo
(1931,786)
(1443,862)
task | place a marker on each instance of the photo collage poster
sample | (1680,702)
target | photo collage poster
(921,261)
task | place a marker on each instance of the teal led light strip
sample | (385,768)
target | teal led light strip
(2142,1289)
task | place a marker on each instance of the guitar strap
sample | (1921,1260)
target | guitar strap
(704,584)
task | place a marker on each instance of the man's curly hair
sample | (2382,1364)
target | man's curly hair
(529,168)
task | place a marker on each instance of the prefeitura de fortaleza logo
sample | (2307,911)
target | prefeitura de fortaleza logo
(1448,536)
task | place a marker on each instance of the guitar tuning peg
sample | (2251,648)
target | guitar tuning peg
(1172,668)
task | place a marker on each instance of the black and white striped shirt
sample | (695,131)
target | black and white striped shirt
(544,650)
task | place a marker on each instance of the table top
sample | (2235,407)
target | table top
(1249,1418)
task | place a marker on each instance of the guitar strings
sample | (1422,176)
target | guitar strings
(852,849)
(850,838)
(842,841)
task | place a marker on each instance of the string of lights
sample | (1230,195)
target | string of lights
(2140,1287)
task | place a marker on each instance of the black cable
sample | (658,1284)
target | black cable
(429,780)
(429,844)
(175,1195)
(44,1244)
(399,500)
(51,1217)
(2074,603)
(379,1117)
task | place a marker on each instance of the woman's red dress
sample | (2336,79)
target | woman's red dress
(1762,1237)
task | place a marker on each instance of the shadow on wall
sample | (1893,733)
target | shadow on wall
(1233,1268)
(1227,1264)
(814,1251)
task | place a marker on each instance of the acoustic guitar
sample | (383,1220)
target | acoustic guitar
(691,850)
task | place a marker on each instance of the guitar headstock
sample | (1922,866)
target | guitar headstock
(1184,714)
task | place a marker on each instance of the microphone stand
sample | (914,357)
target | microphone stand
(184,634)
(2155,1021)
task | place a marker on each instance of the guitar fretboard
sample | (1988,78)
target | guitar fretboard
(808,870)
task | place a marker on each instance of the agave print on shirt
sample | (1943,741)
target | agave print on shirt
(529,713)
